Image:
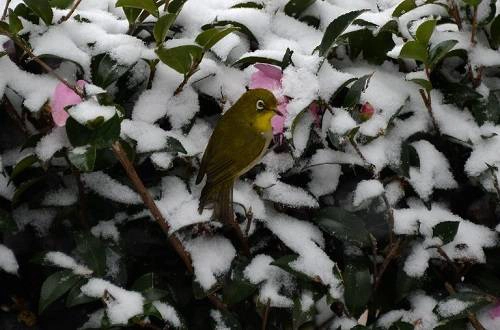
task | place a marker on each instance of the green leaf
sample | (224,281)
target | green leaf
(287,59)
(473,3)
(25,186)
(424,31)
(54,287)
(495,31)
(354,93)
(61,4)
(343,225)
(446,231)
(76,297)
(254,43)
(162,26)
(208,38)
(296,7)
(22,165)
(249,4)
(147,5)
(181,58)
(100,137)
(237,287)
(7,223)
(106,70)
(15,24)
(357,287)
(174,145)
(92,251)
(439,51)
(175,6)
(244,62)
(472,300)
(404,7)
(414,50)
(453,325)
(83,158)
(147,285)
(132,14)
(42,9)
(426,84)
(335,29)
(409,157)
(400,325)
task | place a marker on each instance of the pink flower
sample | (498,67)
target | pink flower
(495,311)
(269,77)
(315,110)
(366,111)
(63,96)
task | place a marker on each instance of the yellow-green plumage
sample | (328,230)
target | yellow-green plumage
(238,142)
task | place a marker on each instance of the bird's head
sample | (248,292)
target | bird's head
(258,107)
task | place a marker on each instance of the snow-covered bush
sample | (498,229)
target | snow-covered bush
(376,206)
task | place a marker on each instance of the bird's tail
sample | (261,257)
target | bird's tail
(220,196)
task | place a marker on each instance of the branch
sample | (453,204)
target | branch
(474,26)
(455,13)
(157,215)
(266,315)
(426,97)
(470,315)
(72,10)
(44,65)
(191,72)
(5,10)
(393,252)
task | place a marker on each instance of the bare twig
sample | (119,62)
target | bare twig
(474,26)
(5,10)
(249,216)
(191,72)
(266,315)
(150,204)
(495,182)
(426,97)
(44,65)
(455,13)
(71,11)
(470,315)
(157,215)
(9,108)
(393,252)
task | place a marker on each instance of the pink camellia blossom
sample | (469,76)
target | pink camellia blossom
(366,111)
(494,312)
(63,96)
(269,77)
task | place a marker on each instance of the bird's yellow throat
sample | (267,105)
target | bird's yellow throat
(263,122)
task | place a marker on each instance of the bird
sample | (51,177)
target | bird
(238,142)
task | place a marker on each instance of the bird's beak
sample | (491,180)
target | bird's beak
(277,112)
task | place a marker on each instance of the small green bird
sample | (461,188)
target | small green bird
(237,144)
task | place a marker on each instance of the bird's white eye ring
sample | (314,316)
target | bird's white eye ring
(259,105)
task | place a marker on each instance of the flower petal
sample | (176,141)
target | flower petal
(64,96)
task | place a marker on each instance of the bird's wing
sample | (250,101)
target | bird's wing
(231,149)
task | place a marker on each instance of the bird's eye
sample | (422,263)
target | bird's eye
(259,105)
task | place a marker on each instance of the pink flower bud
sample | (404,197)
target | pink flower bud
(366,111)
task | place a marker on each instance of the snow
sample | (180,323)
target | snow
(168,313)
(39,219)
(8,262)
(62,260)
(91,110)
(271,279)
(421,313)
(341,122)
(434,171)
(211,258)
(51,143)
(121,305)
(178,205)
(109,188)
(451,307)
(107,230)
(286,194)
(367,189)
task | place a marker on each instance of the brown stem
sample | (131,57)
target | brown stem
(495,182)
(426,97)
(71,11)
(5,10)
(150,204)
(474,26)
(393,252)
(249,216)
(242,238)
(470,315)
(266,315)
(9,108)
(44,65)
(192,71)
(455,13)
